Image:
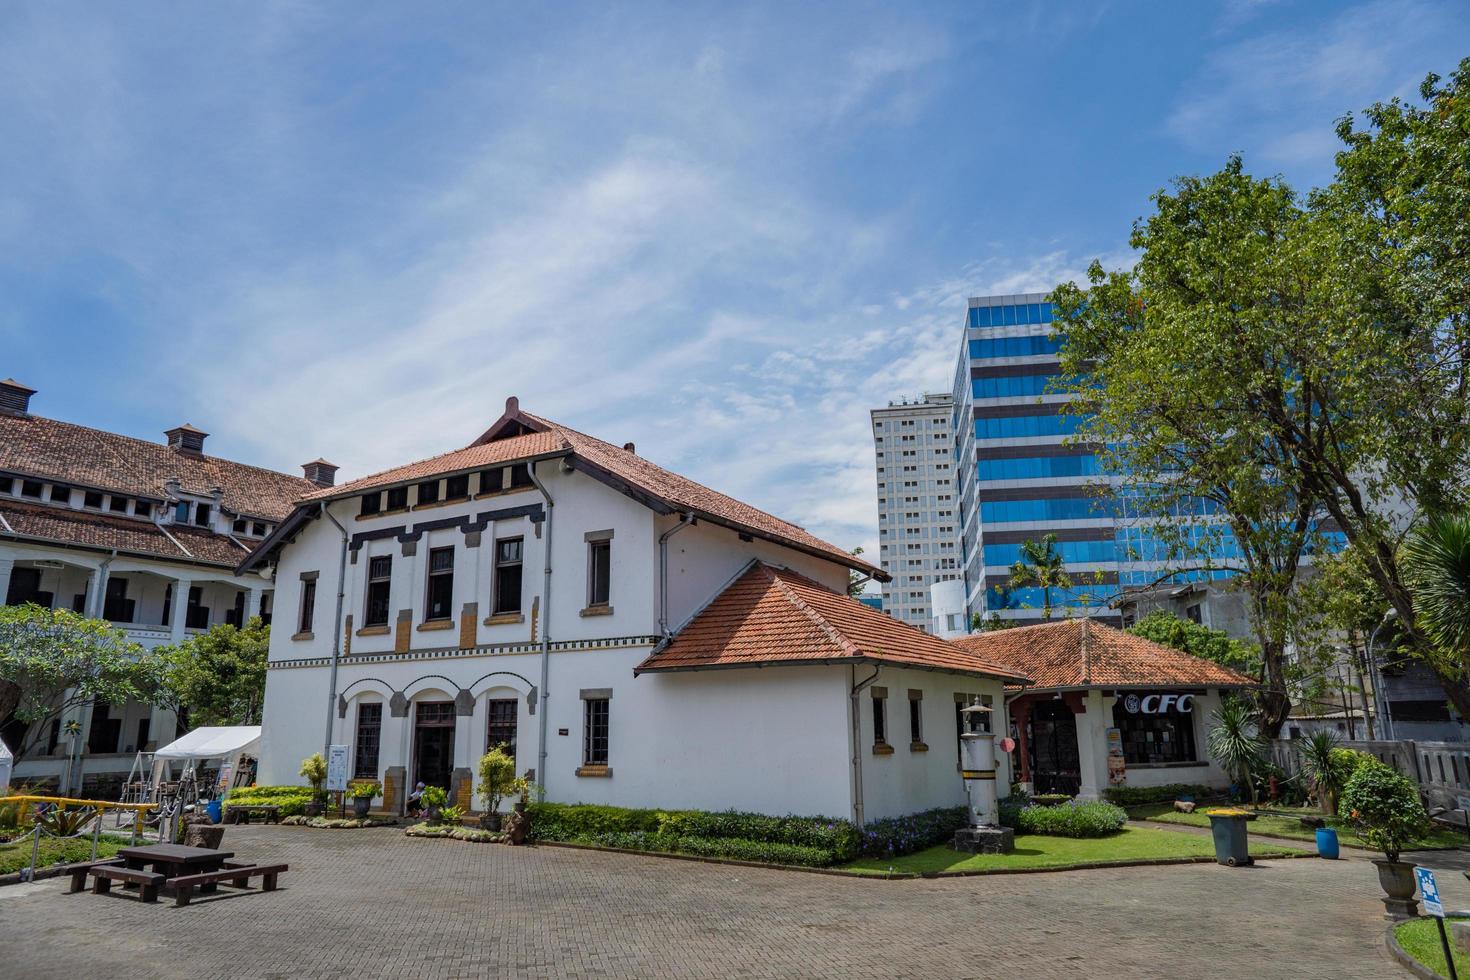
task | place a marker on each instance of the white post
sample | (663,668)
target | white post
(252,603)
(979,773)
(178,610)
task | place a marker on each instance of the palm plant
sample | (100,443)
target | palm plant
(1041,565)
(1323,767)
(1236,743)
(1437,559)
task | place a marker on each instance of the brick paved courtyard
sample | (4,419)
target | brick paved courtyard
(377,904)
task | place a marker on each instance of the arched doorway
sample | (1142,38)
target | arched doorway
(433,743)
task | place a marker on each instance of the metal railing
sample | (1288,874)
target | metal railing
(30,805)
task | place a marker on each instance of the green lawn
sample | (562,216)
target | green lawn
(1420,939)
(1036,851)
(1278,826)
(13,857)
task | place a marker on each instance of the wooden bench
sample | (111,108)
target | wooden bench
(241,813)
(148,882)
(78,872)
(233,873)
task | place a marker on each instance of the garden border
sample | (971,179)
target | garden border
(1169,825)
(1402,955)
(908,875)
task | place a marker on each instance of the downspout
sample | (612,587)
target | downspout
(855,711)
(545,631)
(686,519)
(336,630)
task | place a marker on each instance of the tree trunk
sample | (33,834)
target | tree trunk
(1273,700)
(9,700)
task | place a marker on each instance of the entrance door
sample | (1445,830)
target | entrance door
(433,743)
(1055,763)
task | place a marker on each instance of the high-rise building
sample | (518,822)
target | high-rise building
(918,516)
(1018,478)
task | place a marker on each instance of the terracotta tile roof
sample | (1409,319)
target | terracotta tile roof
(1081,653)
(103,532)
(520,435)
(79,456)
(772,615)
(470,458)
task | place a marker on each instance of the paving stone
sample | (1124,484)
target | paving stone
(373,903)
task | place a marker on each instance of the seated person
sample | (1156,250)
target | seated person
(416,800)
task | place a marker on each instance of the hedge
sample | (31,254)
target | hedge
(291,799)
(897,836)
(1139,795)
(722,847)
(590,823)
(1071,819)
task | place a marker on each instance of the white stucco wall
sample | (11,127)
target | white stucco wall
(1092,748)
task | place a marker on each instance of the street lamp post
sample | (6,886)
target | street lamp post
(1385,714)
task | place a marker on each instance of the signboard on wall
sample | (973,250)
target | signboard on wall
(1158,704)
(337,768)
(1117,768)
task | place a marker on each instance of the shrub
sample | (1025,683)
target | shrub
(435,797)
(563,821)
(896,836)
(1071,819)
(291,799)
(451,814)
(498,778)
(1385,808)
(1140,795)
(314,771)
(365,791)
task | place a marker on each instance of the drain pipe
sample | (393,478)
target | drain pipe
(545,630)
(686,519)
(337,629)
(855,711)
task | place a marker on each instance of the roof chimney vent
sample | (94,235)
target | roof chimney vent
(15,398)
(187,439)
(320,472)
(628,446)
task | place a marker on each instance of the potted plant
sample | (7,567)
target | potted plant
(314,771)
(1386,810)
(497,781)
(434,799)
(362,797)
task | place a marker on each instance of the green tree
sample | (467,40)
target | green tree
(856,581)
(1437,560)
(216,677)
(1040,565)
(980,624)
(1236,743)
(1219,646)
(53,660)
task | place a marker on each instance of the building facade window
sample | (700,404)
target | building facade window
(916,717)
(371,503)
(880,716)
(308,605)
(501,728)
(439,591)
(595,730)
(380,580)
(428,492)
(397,498)
(599,573)
(508,565)
(369,737)
(457,487)
(202,513)
(1156,728)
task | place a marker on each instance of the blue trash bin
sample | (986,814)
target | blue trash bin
(215,809)
(1327,843)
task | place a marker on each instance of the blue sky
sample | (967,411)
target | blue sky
(721,231)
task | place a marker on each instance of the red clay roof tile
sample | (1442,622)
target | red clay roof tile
(102,532)
(773,615)
(1081,653)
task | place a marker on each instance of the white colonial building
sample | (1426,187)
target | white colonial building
(634,637)
(146,535)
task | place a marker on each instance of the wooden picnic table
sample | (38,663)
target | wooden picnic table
(174,860)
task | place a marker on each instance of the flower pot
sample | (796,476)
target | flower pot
(490,821)
(1327,843)
(361,805)
(431,814)
(520,806)
(1397,879)
(314,809)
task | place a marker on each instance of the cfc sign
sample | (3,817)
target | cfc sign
(1158,704)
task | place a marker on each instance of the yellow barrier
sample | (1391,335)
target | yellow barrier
(63,802)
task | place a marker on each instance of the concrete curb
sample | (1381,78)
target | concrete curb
(905,875)
(1405,960)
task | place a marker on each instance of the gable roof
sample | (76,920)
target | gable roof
(1073,654)
(77,456)
(518,436)
(770,616)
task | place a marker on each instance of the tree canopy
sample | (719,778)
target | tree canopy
(216,677)
(1219,646)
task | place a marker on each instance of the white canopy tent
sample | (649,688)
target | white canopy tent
(227,744)
(7,762)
